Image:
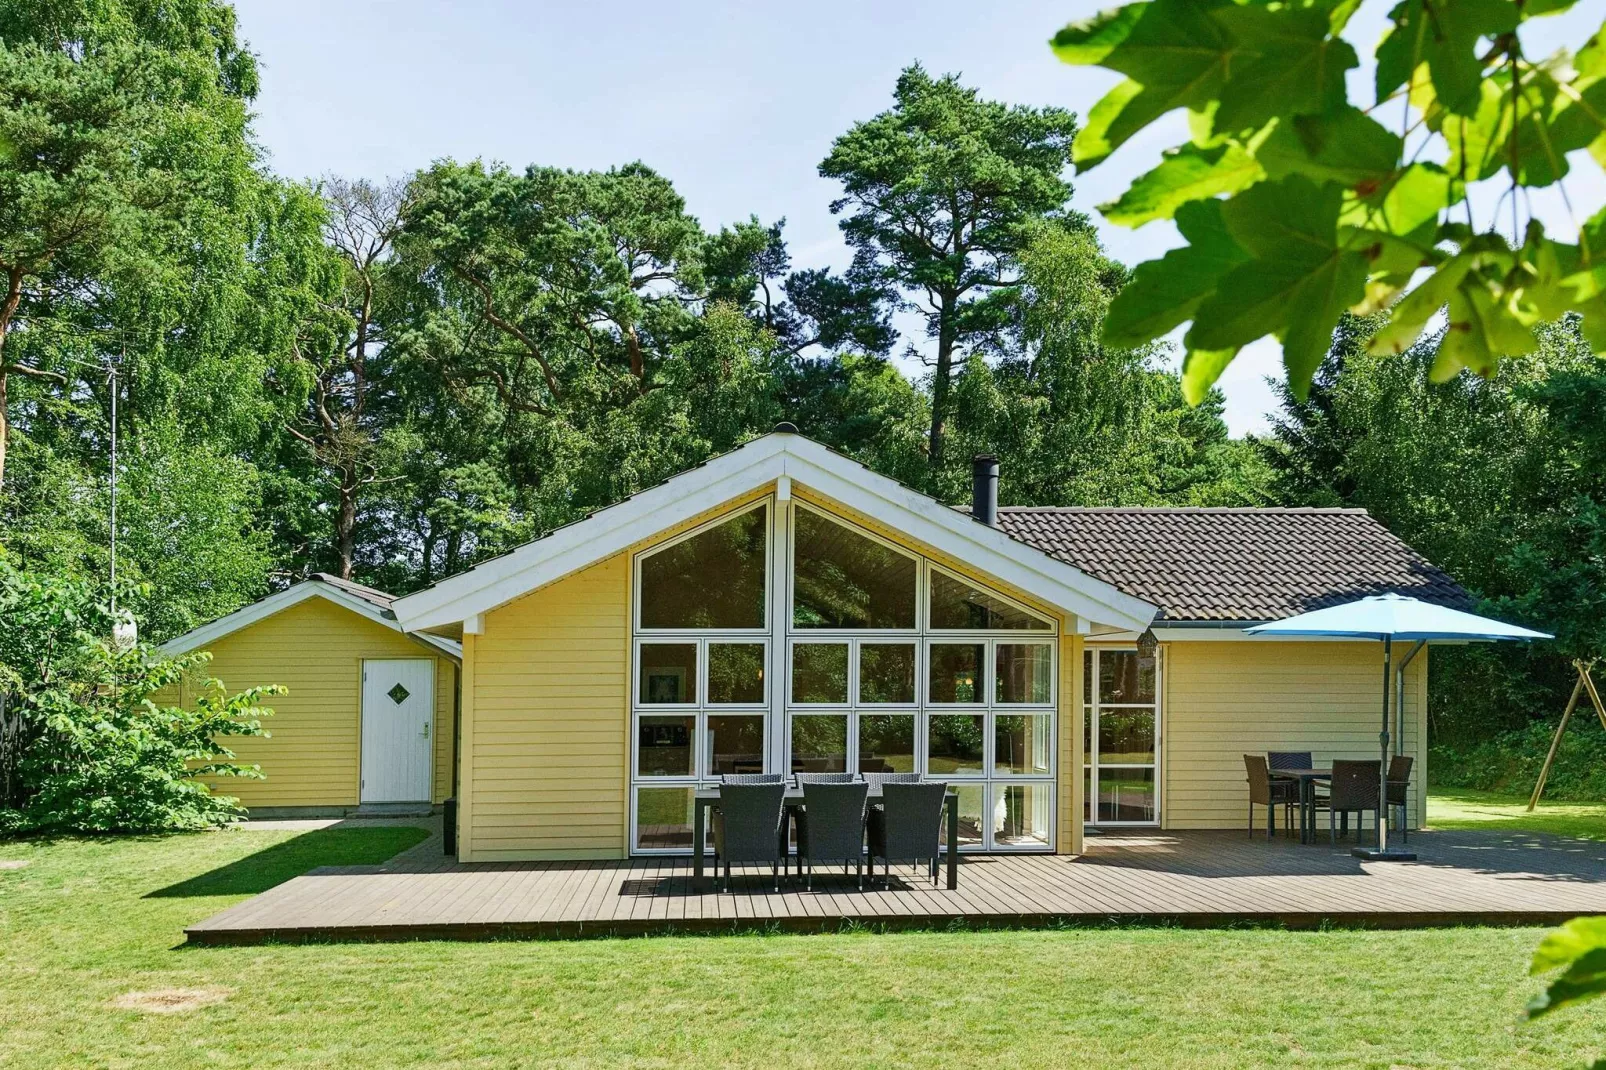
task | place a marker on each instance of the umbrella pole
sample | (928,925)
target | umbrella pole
(1383,740)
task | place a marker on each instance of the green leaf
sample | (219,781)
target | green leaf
(1407,206)
(1200,370)
(1287,65)
(1344,146)
(1408,318)
(1173,54)
(1165,292)
(1443,34)
(1296,286)
(1187,173)
(1562,945)
(1483,327)
(1584,978)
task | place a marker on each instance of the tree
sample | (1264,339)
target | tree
(1328,210)
(938,195)
(125,126)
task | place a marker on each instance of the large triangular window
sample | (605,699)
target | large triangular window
(714,579)
(842,579)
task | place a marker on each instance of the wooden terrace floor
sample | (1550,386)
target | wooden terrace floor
(1190,878)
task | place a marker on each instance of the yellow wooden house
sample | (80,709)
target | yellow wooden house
(369,715)
(782,608)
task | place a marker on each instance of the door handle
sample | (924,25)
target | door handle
(426,729)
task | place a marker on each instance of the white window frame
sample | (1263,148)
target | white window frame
(1090,712)
(924,608)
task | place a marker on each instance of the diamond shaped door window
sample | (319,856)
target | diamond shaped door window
(398,694)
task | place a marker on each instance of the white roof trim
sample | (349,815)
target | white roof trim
(765,460)
(207,634)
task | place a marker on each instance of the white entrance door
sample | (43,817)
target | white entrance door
(398,704)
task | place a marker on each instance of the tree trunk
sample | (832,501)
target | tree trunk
(346,523)
(5,425)
(8,309)
(940,383)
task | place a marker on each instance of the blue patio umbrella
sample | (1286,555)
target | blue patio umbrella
(1389,617)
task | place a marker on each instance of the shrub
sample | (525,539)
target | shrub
(1510,762)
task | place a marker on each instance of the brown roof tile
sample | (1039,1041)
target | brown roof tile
(1234,564)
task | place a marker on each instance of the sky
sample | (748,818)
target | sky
(736,103)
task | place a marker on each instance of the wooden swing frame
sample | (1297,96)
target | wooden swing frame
(1586,683)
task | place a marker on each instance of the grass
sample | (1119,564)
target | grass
(1462,808)
(89,923)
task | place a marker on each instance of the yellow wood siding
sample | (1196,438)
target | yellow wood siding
(1222,700)
(312,754)
(1069,792)
(546,756)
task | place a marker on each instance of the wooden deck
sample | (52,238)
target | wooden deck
(1190,878)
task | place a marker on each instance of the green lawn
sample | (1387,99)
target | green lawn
(1462,809)
(90,921)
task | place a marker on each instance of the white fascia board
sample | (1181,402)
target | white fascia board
(599,536)
(762,461)
(963,538)
(1228,634)
(208,634)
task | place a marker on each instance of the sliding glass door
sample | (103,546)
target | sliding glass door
(1121,735)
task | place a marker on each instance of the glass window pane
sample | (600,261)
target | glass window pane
(842,579)
(972,820)
(954,744)
(1021,816)
(1023,744)
(1126,737)
(1087,676)
(1126,794)
(668,673)
(820,743)
(957,604)
(1087,795)
(663,744)
(735,743)
(886,743)
(663,818)
(711,580)
(736,673)
(1125,677)
(1087,736)
(1025,673)
(820,672)
(957,673)
(887,672)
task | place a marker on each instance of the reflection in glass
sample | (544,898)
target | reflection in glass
(1126,795)
(663,744)
(668,673)
(956,604)
(957,673)
(820,743)
(736,673)
(1087,736)
(955,744)
(886,743)
(1124,677)
(820,672)
(735,743)
(1126,736)
(1021,745)
(842,579)
(712,580)
(887,672)
(1025,673)
(1021,814)
(1087,676)
(972,815)
(663,818)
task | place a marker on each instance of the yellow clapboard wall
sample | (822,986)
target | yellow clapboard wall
(312,755)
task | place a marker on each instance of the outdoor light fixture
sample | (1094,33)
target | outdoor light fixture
(1147,643)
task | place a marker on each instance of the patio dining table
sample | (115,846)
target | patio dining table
(1307,779)
(705,798)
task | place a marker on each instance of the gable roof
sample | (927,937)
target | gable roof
(367,602)
(1235,564)
(781,458)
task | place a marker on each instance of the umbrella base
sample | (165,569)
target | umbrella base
(1387,854)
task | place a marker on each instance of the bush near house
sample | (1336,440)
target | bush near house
(1509,762)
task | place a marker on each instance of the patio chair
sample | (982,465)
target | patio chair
(830,827)
(1288,759)
(879,780)
(907,827)
(753,778)
(1264,791)
(1354,791)
(750,826)
(1399,785)
(823,778)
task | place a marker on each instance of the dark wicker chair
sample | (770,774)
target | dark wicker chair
(1288,759)
(753,778)
(907,827)
(1354,791)
(1264,791)
(823,778)
(878,780)
(1399,787)
(830,827)
(750,826)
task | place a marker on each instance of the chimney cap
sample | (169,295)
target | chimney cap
(984,458)
(786,427)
